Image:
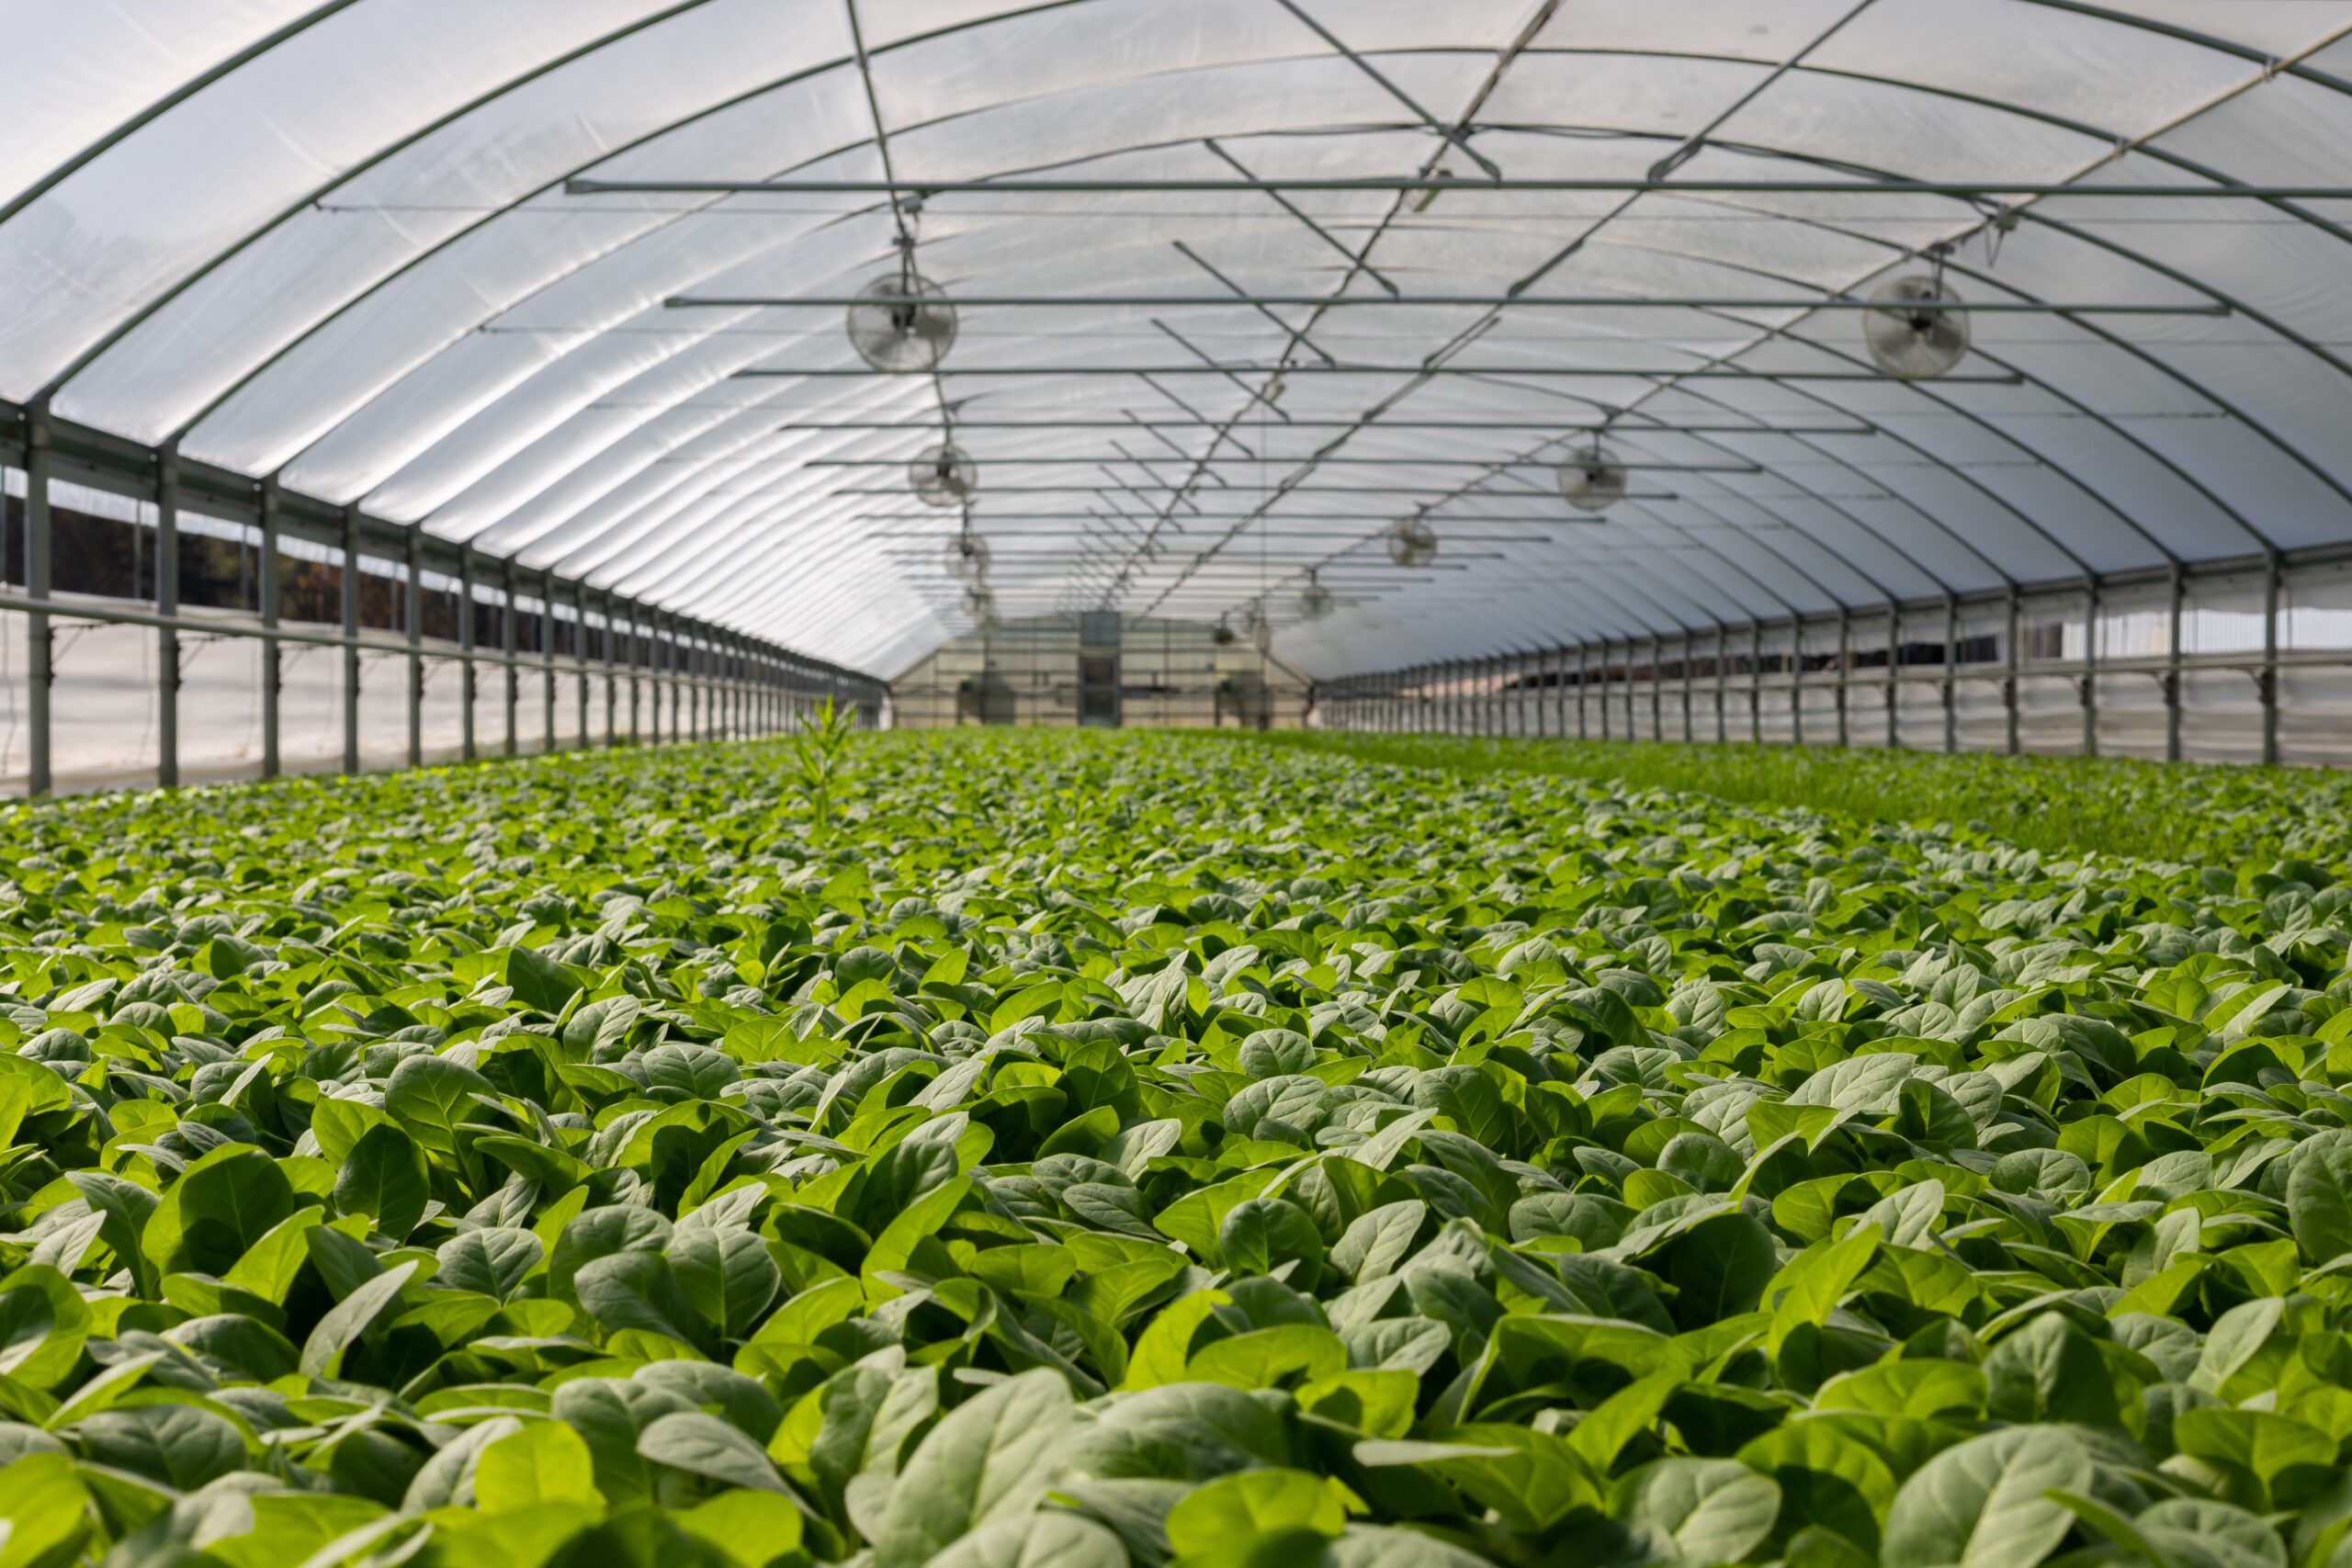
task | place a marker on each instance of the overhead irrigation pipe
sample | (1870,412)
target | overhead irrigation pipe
(1481,301)
(1408,184)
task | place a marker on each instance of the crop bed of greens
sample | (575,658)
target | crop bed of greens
(2212,813)
(1106,1150)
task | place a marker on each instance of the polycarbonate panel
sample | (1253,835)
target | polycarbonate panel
(208,175)
(79,72)
(351,261)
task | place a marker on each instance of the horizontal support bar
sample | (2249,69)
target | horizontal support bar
(932,426)
(1472,302)
(1709,372)
(1404,506)
(1280,557)
(1175,547)
(1114,460)
(1046,185)
(983,524)
(128,614)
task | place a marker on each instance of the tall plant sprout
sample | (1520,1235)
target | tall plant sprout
(817,754)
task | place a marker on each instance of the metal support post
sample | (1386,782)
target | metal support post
(674,658)
(2016,665)
(351,668)
(1690,718)
(415,619)
(2171,663)
(1756,682)
(167,608)
(39,672)
(1951,674)
(547,658)
(639,653)
(1796,680)
(1893,674)
(471,682)
(1584,680)
(272,673)
(2090,668)
(1722,683)
(1658,688)
(2270,586)
(612,677)
(1845,670)
(579,659)
(513,672)
(1608,722)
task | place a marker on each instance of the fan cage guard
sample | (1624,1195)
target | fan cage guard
(967,558)
(942,475)
(1412,542)
(1592,481)
(892,333)
(1923,333)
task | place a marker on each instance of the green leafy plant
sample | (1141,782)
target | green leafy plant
(1130,1149)
(819,751)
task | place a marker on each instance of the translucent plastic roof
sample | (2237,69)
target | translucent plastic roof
(335,240)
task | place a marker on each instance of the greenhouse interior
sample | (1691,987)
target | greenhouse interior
(1176,783)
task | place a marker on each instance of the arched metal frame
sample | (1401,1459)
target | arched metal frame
(557,412)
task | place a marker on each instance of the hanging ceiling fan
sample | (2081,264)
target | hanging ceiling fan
(1593,479)
(967,557)
(902,321)
(944,475)
(1314,600)
(1923,332)
(1412,542)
